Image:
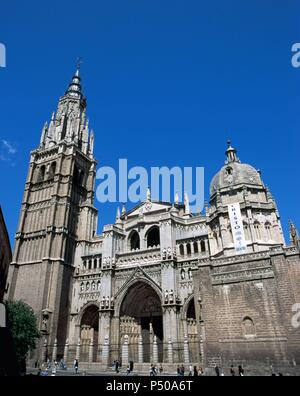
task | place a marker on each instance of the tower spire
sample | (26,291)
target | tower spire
(74,89)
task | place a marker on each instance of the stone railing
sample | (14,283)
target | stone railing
(151,255)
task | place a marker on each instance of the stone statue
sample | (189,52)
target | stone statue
(107,301)
(166,296)
(171,296)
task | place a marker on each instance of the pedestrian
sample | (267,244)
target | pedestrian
(131,365)
(195,371)
(241,371)
(200,371)
(217,370)
(178,370)
(76,365)
(117,366)
(152,370)
(128,369)
(160,369)
(190,370)
(182,370)
(232,371)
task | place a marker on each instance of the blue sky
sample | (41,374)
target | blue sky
(167,83)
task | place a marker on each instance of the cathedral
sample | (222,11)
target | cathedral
(160,284)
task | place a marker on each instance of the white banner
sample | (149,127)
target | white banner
(237,228)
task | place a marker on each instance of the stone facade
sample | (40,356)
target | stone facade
(160,284)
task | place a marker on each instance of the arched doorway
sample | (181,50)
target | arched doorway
(192,331)
(89,327)
(141,314)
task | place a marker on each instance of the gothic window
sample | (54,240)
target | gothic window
(257,230)
(134,240)
(188,249)
(95,263)
(190,273)
(42,172)
(153,238)
(90,264)
(181,249)
(81,286)
(52,170)
(248,327)
(195,247)
(93,286)
(84,264)
(202,245)
(87,286)
(246,231)
(268,231)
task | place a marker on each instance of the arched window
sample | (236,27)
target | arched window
(90,264)
(248,327)
(195,247)
(181,249)
(246,231)
(87,286)
(52,170)
(202,245)
(257,230)
(42,172)
(95,263)
(134,240)
(268,231)
(216,238)
(188,249)
(153,238)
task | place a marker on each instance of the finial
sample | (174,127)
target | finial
(186,204)
(176,198)
(118,215)
(293,233)
(123,210)
(79,62)
(148,194)
(231,153)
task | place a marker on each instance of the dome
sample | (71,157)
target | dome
(234,173)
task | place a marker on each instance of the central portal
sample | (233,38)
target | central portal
(141,315)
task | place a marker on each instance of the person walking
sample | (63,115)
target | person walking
(160,369)
(232,371)
(217,370)
(178,370)
(241,371)
(76,365)
(195,371)
(191,370)
(117,366)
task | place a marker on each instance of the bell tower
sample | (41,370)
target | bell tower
(57,214)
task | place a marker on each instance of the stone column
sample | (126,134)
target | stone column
(77,356)
(66,351)
(170,350)
(91,350)
(151,342)
(155,350)
(105,351)
(186,349)
(54,351)
(140,350)
(125,356)
(44,351)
